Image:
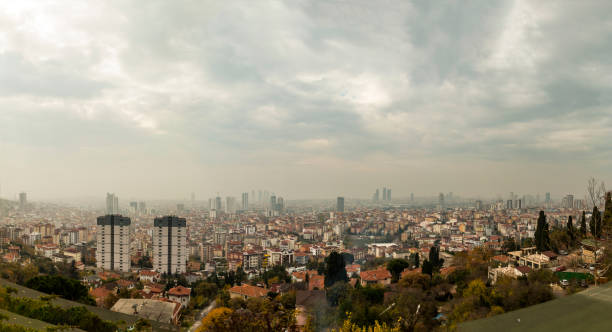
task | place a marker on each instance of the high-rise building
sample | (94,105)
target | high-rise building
(441,201)
(23,201)
(509,204)
(568,201)
(218,204)
(245,201)
(134,207)
(280,204)
(519,204)
(412,197)
(388,194)
(230,204)
(273,203)
(376,196)
(340,204)
(547,197)
(112,204)
(384,194)
(142,207)
(113,243)
(170,244)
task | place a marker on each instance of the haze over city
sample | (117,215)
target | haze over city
(310,100)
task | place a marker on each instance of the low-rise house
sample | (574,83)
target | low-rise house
(180,294)
(148,275)
(245,291)
(353,269)
(379,276)
(316,282)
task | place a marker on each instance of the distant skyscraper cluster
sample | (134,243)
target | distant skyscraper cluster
(386,195)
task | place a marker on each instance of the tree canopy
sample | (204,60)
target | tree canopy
(335,269)
(542,239)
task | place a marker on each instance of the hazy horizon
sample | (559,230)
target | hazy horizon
(156,100)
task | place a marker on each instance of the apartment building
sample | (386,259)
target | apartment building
(170,245)
(113,243)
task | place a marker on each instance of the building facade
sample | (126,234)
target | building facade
(113,243)
(170,245)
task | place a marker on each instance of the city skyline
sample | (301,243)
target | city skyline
(315,100)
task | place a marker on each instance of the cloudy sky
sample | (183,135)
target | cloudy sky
(158,99)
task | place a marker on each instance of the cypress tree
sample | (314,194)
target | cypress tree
(542,239)
(607,215)
(583,227)
(596,222)
(570,229)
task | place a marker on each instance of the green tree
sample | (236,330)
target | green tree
(596,223)
(570,229)
(510,245)
(427,267)
(396,266)
(607,215)
(335,269)
(542,239)
(434,258)
(583,225)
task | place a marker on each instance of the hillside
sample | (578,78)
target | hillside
(101,312)
(585,311)
(14,319)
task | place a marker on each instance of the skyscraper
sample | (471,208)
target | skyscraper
(113,243)
(245,201)
(376,196)
(547,197)
(112,204)
(509,204)
(273,203)
(441,201)
(384,194)
(218,204)
(340,204)
(23,201)
(389,194)
(170,244)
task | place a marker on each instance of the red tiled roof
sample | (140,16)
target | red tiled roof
(149,273)
(524,269)
(501,258)
(179,291)
(249,291)
(375,275)
(99,292)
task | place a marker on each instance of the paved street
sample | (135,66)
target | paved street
(202,314)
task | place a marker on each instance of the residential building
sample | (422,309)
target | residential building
(170,245)
(113,243)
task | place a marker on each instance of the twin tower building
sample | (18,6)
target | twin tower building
(169,244)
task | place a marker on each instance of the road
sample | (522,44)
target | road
(202,314)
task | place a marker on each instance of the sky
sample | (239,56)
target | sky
(308,99)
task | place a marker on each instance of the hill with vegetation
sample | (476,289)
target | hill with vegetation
(30,303)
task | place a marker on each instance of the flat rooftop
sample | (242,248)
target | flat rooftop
(156,310)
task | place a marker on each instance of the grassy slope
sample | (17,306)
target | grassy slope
(588,310)
(101,312)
